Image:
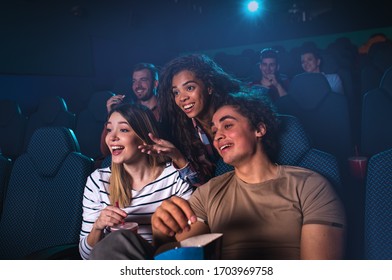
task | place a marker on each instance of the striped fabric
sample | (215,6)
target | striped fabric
(143,205)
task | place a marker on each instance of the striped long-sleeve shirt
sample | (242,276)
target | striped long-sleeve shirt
(143,204)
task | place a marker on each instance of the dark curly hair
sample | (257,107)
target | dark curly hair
(257,108)
(178,125)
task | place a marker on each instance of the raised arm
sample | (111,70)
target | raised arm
(164,147)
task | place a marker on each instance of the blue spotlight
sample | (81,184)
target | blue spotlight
(253,6)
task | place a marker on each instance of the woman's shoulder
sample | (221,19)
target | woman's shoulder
(101,173)
(168,170)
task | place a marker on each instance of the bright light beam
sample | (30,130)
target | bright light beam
(253,6)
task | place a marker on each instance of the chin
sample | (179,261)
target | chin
(227,160)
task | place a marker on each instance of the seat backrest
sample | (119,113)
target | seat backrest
(90,122)
(5,170)
(323,113)
(52,111)
(12,126)
(378,207)
(43,202)
(296,149)
(370,77)
(309,89)
(386,80)
(381,55)
(376,128)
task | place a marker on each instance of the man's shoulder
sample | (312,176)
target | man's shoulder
(220,181)
(302,174)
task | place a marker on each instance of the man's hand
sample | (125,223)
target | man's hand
(116,99)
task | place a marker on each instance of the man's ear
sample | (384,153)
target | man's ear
(261,130)
(156,83)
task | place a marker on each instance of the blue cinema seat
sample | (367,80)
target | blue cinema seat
(90,123)
(52,111)
(5,169)
(324,114)
(13,127)
(376,125)
(378,207)
(43,203)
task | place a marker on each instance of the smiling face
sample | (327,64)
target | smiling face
(268,66)
(122,140)
(310,63)
(234,138)
(190,94)
(143,84)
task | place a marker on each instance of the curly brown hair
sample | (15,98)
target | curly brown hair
(257,108)
(178,126)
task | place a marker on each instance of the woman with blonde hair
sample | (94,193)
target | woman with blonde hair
(135,184)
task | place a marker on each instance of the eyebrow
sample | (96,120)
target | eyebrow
(225,117)
(187,82)
(122,122)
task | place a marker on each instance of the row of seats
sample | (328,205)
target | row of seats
(339,57)
(325,114)
(327,117)
(17,129)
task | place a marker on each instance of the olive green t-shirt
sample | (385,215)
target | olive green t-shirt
(264,220)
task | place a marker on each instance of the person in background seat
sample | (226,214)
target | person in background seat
(275,83)
(311,63)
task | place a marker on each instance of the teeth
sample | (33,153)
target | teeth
(189,106)
(225,146)
(117,147)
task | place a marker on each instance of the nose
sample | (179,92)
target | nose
(113,136)
(218,136)
(137,83)
(183,97)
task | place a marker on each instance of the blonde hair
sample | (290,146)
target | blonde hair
(142,121)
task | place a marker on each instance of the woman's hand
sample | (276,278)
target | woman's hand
(164,147)
(109,217)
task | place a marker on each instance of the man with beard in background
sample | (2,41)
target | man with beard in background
(144,86)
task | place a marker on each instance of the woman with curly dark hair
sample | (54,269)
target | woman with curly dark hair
(190,89)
